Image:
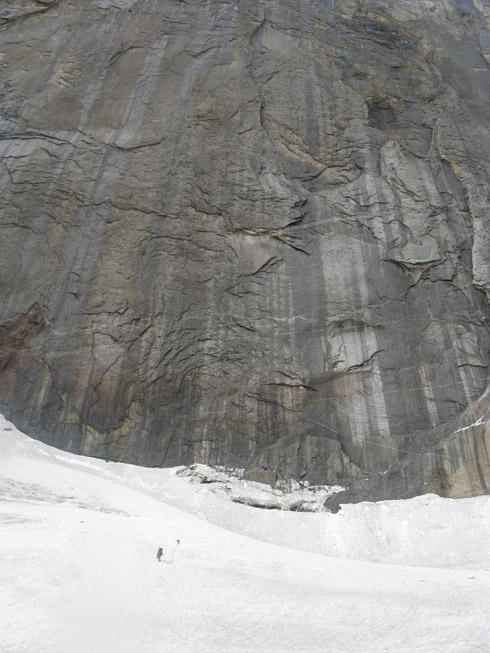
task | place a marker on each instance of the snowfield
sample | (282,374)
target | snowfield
(78,572)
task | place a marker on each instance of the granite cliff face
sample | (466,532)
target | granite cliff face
(252,233)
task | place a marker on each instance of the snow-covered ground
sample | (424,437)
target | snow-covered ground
(78,572)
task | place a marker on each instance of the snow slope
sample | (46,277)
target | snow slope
(78,572)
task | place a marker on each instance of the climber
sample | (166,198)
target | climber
(159,553)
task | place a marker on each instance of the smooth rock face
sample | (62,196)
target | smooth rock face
(250,233)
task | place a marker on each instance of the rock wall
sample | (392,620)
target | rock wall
(252,233)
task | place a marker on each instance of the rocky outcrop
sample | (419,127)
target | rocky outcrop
(251,233)
(286,494)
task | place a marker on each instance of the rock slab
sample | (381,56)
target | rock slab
(253,234)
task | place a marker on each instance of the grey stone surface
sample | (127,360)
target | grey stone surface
(250,233)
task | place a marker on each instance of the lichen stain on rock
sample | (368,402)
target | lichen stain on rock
(252,234)
(15,336)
